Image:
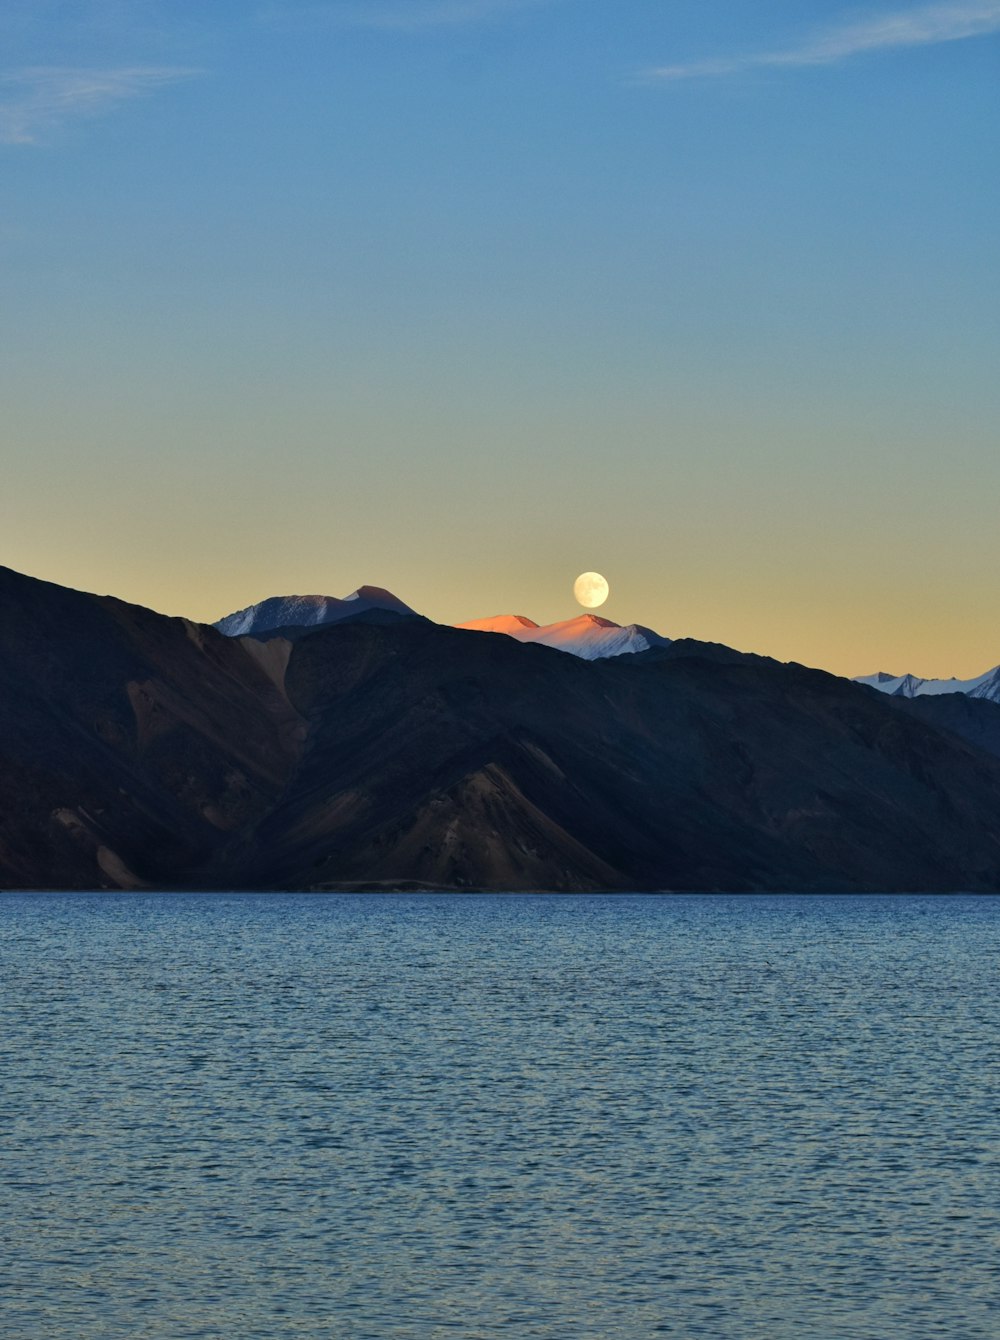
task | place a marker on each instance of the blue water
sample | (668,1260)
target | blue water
(414,1117)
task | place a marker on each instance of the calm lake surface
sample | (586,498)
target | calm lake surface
(414,1116)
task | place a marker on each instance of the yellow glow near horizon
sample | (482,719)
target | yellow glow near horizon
(819,557)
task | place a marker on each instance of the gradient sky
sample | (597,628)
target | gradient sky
(463,297)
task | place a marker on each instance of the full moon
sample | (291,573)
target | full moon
(590,589)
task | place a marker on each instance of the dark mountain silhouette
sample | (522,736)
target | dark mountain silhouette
(132,746)
(976,720)
(141,750)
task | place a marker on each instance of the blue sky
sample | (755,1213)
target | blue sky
(464,297)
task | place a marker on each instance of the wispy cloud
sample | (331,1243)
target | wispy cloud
(395,15)
(926,26)
(37,100)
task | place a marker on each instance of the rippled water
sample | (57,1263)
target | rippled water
(409,1116)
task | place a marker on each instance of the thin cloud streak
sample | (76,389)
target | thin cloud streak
(402,16)
(927,26)
(40,99)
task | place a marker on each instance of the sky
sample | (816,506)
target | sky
(465,297)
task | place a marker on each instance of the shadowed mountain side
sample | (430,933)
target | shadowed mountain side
(975,720)
(683,648)
(295,632)
(467,760)
(133,748)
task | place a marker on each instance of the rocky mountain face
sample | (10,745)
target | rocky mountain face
(137,750)
(976,720)
(133,747)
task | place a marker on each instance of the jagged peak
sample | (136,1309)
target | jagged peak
(373,593)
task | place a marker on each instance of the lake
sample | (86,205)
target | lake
(408,1117)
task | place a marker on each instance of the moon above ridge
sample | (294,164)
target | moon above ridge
(591,590)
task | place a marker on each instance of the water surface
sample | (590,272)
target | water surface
(413,1117)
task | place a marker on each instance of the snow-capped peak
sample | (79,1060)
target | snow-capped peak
(307,611)
(912,686)
(589,636)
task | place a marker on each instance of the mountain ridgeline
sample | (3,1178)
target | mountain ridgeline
(382,751)
(985,686)
(303,613)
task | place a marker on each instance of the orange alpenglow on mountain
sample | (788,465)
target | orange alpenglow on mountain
(588,635)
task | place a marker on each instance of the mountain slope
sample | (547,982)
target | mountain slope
(133,748)
(976,720)
(688,772)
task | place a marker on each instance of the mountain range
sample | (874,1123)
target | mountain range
(381,750)
(588,635)
(912,686)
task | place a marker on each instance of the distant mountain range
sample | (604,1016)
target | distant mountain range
(382,750)
(588,636)
(911,686)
